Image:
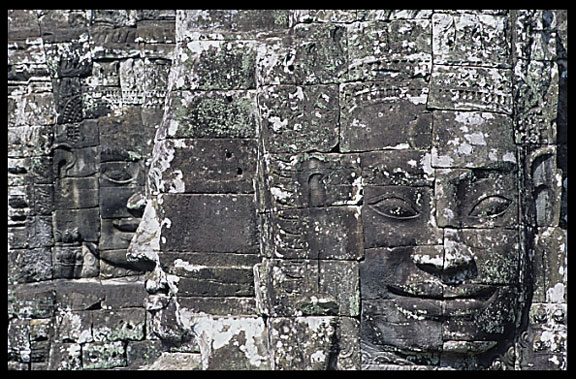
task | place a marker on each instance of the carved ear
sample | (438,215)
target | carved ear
(64,159)
(545,183)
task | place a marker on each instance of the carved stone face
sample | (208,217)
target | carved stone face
(442,263)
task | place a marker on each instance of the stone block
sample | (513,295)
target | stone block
(69,59)
(313,352)
(142,353)
(118,325)
(76,224)
(218,223)
(399,216)
(471,39)
(30,265)
(211,114)
(19,340)
(79,295)
(384,115)
(75,261)
(129,293)
(472,139)
(308,180)
(29,141)
(310,54)
(23,24)
(113,264)
(470,88)
(74,326)
(65,356)
(229,21)
(399,48)
(103,355)
(79,162)
(314,126)
(297,287)
(223,65)
(117,232)
(397,168)
(72,193)
(210,166)
(239,343)
(35,303)
(219,306)
(44,199)
(114,201)
(77,135)
(176,361)
(122,174)
(332,233)
(537,95)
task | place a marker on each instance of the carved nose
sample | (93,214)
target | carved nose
(459,262)
(136,204)
(452,262)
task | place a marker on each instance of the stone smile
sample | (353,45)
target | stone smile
(437,291)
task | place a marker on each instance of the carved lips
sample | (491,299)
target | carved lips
(460,301)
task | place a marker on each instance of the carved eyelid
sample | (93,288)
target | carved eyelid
(399,202)
(491,205)
(120,181)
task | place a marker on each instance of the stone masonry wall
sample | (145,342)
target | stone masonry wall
(287,189)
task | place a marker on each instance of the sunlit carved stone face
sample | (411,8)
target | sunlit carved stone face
(442,258)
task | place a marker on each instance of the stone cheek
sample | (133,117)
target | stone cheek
(209,223)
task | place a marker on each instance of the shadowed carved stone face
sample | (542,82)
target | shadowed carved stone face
(382,194)
(441,263)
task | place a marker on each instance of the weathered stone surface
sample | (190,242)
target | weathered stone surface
(471,39)
(313,127)
(219,223)
(224,65)
(175,361)
(307,287)
(398,48)
(477,198)
(310,54)
(142,353)
(113,264)
(119,325)
(220,306)
(30,265)
(313,353)
(211,114)
(34,109)
(27,141)
(210,166)
(78,224)
(470,88)
(102,355)
(384,115)
(65,356)
(304,189)
(308,180)
(313,233)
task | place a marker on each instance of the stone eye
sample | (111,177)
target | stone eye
(490,206)
(394,207)
(119,174)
